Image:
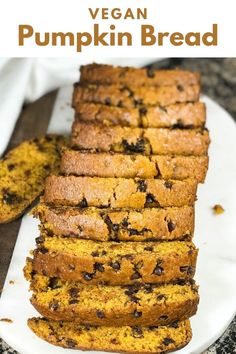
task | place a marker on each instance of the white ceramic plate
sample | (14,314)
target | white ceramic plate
(214,235)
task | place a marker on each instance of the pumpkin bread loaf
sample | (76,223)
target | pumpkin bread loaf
(137,140)
(85,163)
(134,96)
(150,224)
(108,74)
(181,115)
(136,339)
(23,171)
(143,304)
(118,192)
(113,263)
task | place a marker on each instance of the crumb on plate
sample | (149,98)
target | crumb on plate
(8,320)
(218,209)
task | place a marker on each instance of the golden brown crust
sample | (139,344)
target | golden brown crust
(118,192)
(135,96)
(144,305)
(23,171)
(123,225)
(84,163)
(114,263)
(108,74)
(181,115)
(138,340)
(137,140)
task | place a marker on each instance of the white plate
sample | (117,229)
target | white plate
(214,235)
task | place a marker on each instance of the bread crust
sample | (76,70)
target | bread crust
(118,192)
(182,115)
(108,74)
(150,141)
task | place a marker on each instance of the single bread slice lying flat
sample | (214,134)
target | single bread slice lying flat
(23,171)
(140,340)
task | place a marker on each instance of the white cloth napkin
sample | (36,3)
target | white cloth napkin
(25,80)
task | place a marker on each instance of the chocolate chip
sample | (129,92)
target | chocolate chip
(99,267)
(151,201)
(128,256)
(103,253)
(150,72)
(142,185)
(39,240)
(137,332)
(43,250)
(137,314)
(131,147)
(158,270)
(125,222)
(115,265)
(138,102)
(100,314)
(87,276)
(71,266)
(95,254)
(180,88)
(167,341)
(187,269)
(120,104)
(53,283)
(73,301)
(161,297)
(163,318)
(143,111)
(148,248)
(107,101)
(115,227)
(152,328)
(114,341)
(135,276)
(46,167)
(168,184)
(83,203)
(175,324)
(71,343)
(148,288)
(74,292)
(171,225)
(138,265)
(10,198)
(53,305)
(10,167)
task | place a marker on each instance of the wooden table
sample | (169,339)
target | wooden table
(32,122)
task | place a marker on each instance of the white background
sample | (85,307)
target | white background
(73,15)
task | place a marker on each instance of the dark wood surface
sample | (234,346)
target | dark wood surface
(32,122)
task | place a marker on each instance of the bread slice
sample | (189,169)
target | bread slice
(23,171)
(118,192)
(140,340)
(180,115)
(108,74)
(143,305)
(135,96)
(85,163)
(115,263)
(137,140)
(150,224)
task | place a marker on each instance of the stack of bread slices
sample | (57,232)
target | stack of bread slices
(114,264)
